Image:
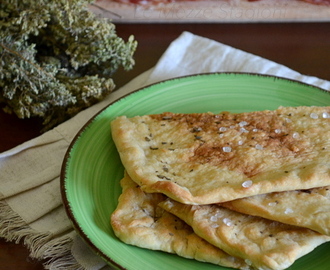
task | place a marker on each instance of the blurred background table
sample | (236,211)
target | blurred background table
(302,46)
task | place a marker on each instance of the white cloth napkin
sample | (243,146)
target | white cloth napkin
(30,200)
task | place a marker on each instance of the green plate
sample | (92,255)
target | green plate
(92,169)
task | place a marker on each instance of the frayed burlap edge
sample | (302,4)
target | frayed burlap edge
(54,252)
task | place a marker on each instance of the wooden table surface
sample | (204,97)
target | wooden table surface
(304,47)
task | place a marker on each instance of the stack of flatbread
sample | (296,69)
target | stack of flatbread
(246,191)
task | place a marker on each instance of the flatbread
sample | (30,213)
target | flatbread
(264,244)
(139,221)
(209,158)
(306,208)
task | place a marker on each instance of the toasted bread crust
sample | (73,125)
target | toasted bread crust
(139,221)
(265,244)
(210,158)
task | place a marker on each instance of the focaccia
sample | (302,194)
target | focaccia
(205,158)
(306,208)
(139,221)
(264,244)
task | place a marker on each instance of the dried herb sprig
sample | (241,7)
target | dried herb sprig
(57,58)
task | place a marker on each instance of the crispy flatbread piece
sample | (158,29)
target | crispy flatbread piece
(306,208)
(209,158)
(262,243)
(139,221)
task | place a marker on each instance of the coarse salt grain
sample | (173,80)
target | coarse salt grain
(255,130)
(325,115)
(259,147)
(288,211)
(213,218)
(240,143)
(226,149)
(278,131)
(214,225)
(227,221)
(247,184)
(272,204)
(295,135)
(243,130)
(313,116)
(242,124)
(222,129)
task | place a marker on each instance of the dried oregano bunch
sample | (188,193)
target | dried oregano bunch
(57,58)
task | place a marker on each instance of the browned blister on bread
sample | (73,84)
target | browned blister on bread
(205,158)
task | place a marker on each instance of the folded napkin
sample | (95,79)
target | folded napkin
(31,209)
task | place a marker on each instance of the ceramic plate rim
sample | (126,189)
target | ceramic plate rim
(66,159)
